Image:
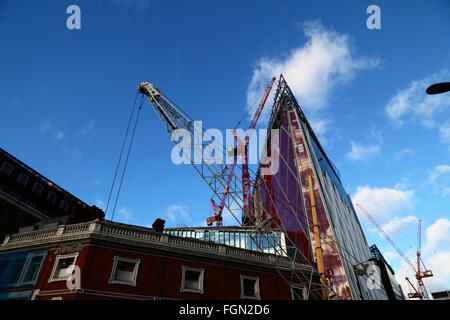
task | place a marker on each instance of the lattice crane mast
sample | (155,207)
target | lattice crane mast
(241,148)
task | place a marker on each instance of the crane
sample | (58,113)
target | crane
(242,148)
(222,180)
(421,292)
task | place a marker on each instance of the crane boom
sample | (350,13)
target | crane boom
(387,238)
(421,291)
(246,184)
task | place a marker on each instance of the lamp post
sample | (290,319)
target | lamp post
(438,88)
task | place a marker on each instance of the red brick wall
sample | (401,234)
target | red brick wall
(160,276)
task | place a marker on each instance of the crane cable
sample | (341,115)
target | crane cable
(128,155)
(121,154)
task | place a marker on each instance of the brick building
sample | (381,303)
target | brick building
(118,261)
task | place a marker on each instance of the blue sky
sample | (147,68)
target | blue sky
(66,96)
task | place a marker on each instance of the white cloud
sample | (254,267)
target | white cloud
(312,69)
(435,255)
(444,132)
(439,264)
(88,130)
(439,178)
(360,152)
(405,271)
(363,153)
(177,213)
(438,171)
(438,234)
(391,255)
(97,180)
(415,103)
(56,133)
(100,204)
(404,152)
(59,135)
(445,192)
(45,126)
(381,203)
(77,153)
(125,213)
(399,225)
(319,126)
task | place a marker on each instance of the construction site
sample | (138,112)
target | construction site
(300,211)
(297,235)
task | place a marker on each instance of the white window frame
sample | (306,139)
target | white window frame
(133,282)
(30,257)
(55,265)
(299,286)
(201,280)
(257,291)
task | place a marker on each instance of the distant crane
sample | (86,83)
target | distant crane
(421,291)
(241,148)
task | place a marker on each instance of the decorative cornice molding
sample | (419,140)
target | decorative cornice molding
(146,238)
(69,249)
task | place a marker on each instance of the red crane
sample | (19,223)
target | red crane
(421,291)
(242,148)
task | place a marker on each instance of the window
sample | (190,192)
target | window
(124,271)
(192,280)
(64,205)
(19,269)
(6,168)
(299,292)
(32,270)
(3,266)
(38,188)
(51,197)
(23,179)
(61,271)
(15,270)
(250,288)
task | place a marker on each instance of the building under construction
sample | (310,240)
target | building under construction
(304,201)
(299,236)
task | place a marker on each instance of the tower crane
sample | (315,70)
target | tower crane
(421,291)
(242,148)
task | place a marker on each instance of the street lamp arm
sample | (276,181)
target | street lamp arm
(438,88)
